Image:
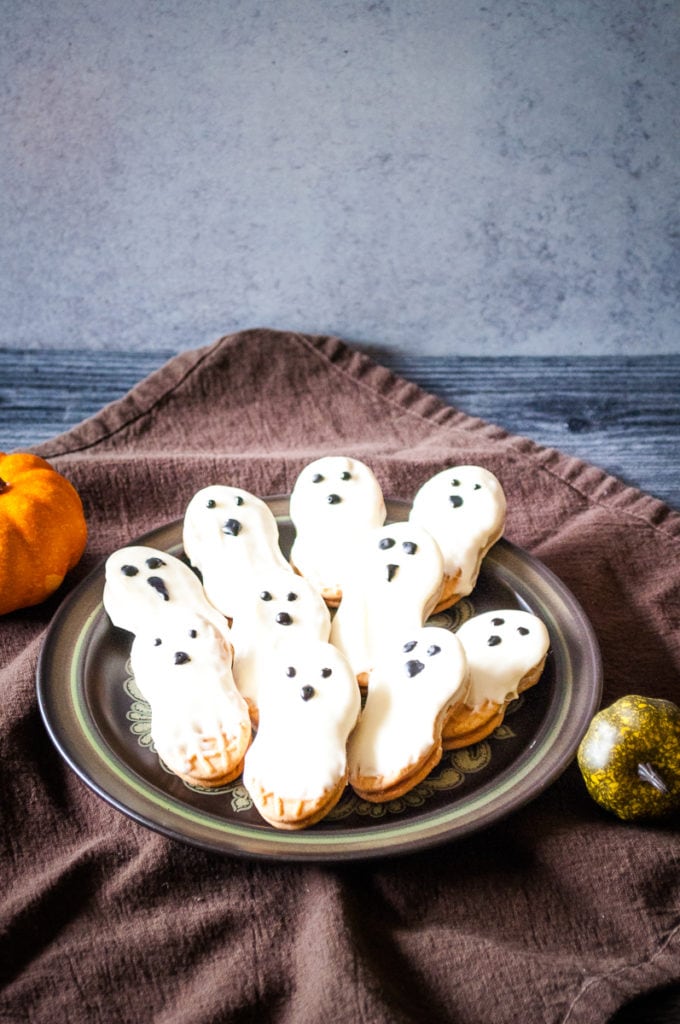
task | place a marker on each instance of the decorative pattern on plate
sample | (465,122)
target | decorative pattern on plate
(139,713)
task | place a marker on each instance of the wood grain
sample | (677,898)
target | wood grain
(620,414)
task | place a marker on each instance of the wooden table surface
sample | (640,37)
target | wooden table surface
(622,414)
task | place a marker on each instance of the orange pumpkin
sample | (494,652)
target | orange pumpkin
(42,530)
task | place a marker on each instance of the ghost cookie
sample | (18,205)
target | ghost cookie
(411,691)
(277,608)
(506,652)
(143,586)
(199,721)
(228,535)
(464,510)
(335,500)
(296,767)
(393,587)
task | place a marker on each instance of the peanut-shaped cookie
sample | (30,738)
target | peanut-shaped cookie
(464,510)
(228,535)
(335,500)
(411,691)
(506,652)
(393,587)
(296,768)
(199,721)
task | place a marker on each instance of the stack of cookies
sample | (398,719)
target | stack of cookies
(309,674)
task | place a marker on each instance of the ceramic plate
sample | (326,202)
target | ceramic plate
(100,725)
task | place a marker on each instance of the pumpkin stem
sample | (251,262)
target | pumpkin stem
(648,773)
(4,486)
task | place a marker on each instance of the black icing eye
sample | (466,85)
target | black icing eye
(326,672)
(193,633)
(497,622)
(284,619)
(456,500)
(408,646)
(238,500)
(157,642)
(477,487)
(290,672)
(346,475)
(181,658)
(211,503)
(522,630)
(494,640)
(317,478)
(410,547)
(385,543)
(307,692)
(434,649)
(129,570)
(333,499)
(265,596)
(232,527)
(155,563)
(292,596)
(413,668)
(455,483)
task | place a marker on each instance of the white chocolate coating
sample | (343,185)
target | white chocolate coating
(300,750)
(464,510)
(396,578)
(228,535)
(144,585)
(416,681)
(334,501)
(501,648)
(277,608)
(198,717)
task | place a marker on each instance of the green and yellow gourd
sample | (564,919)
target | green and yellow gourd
(630,757)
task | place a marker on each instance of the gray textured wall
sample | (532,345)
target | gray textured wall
(452,176)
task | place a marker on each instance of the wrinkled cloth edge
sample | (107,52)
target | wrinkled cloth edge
(594,484)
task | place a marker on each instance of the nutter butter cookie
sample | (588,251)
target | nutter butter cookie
(199,721)
(334,502)
(296,768)
(464,509)
(506,652)
(411,691)
(228,535)
(277,609)
(392,589)
(144,585)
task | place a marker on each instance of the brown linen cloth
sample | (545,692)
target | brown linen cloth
(560,913)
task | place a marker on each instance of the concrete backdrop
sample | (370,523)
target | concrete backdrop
(438,176)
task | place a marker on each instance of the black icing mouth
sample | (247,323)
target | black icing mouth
(158,584)
(232,527)
(413,667)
